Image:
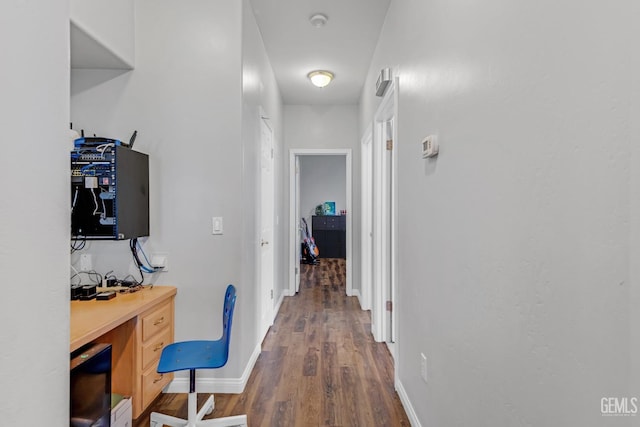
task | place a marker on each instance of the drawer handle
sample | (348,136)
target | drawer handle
(158,379)
(157,322)
(159,346)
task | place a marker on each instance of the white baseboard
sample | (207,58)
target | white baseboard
(276,309)
(406,403)
(216,385)
(358,294)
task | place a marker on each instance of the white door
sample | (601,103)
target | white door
(366,234)
(266,227)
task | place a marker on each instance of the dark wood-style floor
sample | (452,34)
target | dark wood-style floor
(319,365)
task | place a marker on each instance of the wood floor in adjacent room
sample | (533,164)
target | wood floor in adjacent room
(319,365)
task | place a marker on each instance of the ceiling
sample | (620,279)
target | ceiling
(344,46)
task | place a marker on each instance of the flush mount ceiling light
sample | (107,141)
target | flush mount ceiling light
(320,78)
(318,20)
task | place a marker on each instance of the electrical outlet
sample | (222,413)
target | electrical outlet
(85,262)
(423,367)
(160,260)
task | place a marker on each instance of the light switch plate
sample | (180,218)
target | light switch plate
(217,225)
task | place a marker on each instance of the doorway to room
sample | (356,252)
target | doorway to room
(320,193)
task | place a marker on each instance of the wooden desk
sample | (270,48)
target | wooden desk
(137,325)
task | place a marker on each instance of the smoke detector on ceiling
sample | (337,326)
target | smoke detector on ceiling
(318,20)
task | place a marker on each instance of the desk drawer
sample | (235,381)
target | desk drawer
(155,321)
(152,384)
(152,349)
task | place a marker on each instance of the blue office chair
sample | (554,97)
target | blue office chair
(192,355)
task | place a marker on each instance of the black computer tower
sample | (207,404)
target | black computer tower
(109,193)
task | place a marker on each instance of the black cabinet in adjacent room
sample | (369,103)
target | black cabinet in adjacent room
(330,233)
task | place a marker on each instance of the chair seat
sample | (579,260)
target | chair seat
(189,355)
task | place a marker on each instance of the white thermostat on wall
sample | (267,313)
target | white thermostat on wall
(430,146)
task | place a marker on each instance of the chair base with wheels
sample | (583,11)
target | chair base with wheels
(192,355)
(195,418)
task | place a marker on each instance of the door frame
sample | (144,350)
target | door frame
(294,223)
(385,223)
(297,221)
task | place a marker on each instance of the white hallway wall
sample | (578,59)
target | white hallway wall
(326,126)
(634,222)
(518,289)
(185,98)
(34,231)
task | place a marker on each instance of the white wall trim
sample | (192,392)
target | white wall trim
(276,310)
(294,247)
(406,403)
(356,293)
(384,225)
(216,385)
(293,235)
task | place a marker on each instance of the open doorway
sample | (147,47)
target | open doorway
(321,178)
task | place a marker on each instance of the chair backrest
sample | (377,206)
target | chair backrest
(227,316)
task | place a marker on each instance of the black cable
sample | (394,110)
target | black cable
(133,243)
(94,276)
(78,245)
